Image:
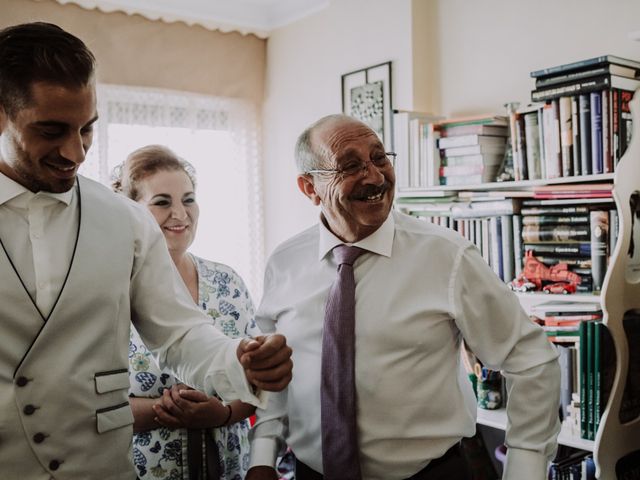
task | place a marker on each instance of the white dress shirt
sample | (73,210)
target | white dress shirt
(420,291)
(38,232)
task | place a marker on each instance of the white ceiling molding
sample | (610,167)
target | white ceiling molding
(258,17)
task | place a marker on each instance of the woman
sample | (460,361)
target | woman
(206,439)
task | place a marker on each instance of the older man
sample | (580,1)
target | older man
(78,264)
(386,352)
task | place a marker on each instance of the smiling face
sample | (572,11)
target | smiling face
(43,144)
(353,206)
(170,196)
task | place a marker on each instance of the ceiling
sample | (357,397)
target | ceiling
(259,17)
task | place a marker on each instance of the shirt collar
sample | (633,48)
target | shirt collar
(10,189)
(380,241)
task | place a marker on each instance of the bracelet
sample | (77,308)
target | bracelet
(226,420)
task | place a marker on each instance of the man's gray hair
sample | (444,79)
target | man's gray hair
(306,155)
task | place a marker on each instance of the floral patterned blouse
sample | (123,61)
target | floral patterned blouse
(162,453)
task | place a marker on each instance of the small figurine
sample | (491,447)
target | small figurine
(558,277)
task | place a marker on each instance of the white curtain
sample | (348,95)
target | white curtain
(132,109)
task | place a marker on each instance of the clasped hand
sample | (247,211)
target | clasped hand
(267,361)
(182,407)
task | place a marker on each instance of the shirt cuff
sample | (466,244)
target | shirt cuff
(232,383)
(264,452)
(524,465)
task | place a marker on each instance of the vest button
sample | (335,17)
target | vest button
(54,464)
(22,381)
(39,437)
(29,410)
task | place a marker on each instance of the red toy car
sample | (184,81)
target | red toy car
(560,287)
(521,284)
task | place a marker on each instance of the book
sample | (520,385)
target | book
(584,64)
(564,248)
(473,129)
(532,145)
(566,378)
(521,148)
(517,244)
(554,219)
(571,76)
(607,158)
(599,237)
(625,121)
(605,370)
(567,201)
(576,188)
(482,119)
(584,105)
(554,307)
(507,206)
(590,379)
(575,131)
(597,163)
(451,170)
(468,140)
(584,405)
(481,159)
(586,85)
(406,143)
(566,136)
(572,263)
(506,233)
(542,233)
(567,319)
(475,150)
(551,119)
(488,175)
(527,209)
(495,254)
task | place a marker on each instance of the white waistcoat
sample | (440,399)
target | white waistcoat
(63,380)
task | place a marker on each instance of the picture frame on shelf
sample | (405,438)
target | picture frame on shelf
(366,95)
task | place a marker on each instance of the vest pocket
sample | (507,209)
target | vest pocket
(113,417)
(111,380)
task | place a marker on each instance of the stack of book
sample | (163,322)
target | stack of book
(487,223)
(471,149)
(414,142)
(586,363)
(570,230)
(580,121)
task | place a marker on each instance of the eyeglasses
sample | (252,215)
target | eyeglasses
(355,167)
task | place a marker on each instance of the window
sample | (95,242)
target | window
(219,138)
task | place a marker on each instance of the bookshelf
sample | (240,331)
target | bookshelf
(498,419)
(616,439)
(617,442)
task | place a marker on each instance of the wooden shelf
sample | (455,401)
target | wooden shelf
(498,419)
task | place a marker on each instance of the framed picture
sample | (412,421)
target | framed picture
(366,95)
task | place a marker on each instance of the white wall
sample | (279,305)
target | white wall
(489,47)
(476,55)
(304,64)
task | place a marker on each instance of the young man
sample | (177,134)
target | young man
(78,263)
(420,290)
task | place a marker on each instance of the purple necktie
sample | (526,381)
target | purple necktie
(340,458)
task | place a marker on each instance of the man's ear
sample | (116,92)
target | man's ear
(306,186)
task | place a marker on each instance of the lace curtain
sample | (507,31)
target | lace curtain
(129,106)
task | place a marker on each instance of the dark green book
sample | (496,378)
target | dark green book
(590,380)
(605,369)
(582,331)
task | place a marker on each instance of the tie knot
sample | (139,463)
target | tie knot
(345,254)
